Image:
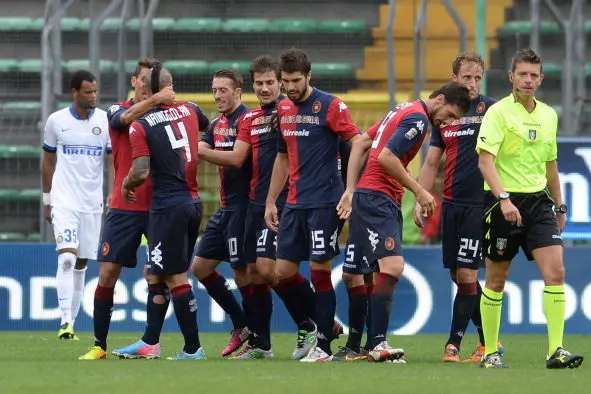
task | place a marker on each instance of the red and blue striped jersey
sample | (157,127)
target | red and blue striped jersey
(402,131)
(235,182)
(256,130)
(310,132)
(169,136)
(462,182)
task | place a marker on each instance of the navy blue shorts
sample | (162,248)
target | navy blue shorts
(223,238)
(355,262)
(461,236)
(122,235)
(259,240)
(376,226)
(308,234)
(172,234)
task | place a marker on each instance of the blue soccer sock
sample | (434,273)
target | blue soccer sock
(381,306)
(218,289)
(326,304)
(156,312)
(185,309)
(101,316)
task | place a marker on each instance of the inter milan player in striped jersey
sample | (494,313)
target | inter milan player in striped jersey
(376,218)
(223,238)
(463,201)
(164,145)
(311,122)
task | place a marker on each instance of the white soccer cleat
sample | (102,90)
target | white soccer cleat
(384,352)
(316,355)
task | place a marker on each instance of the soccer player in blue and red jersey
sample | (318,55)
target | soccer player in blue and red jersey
(463,201)
(311,122)
(376,219)
(126,222)
(165,145)
(223,238)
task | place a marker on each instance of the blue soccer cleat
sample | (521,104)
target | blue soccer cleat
(198,355)
(140,349)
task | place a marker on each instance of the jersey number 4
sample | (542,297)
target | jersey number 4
(177,143)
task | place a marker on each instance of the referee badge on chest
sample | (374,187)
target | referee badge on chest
(532,135)
(501,245)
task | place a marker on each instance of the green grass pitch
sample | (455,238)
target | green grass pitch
(37,362)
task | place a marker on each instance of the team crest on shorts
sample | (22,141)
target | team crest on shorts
(96,130)
(480,107)
(105,248)
(316,107)
(390,244)
(501,245)
(532,135)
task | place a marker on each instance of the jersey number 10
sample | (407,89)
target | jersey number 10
(176,143)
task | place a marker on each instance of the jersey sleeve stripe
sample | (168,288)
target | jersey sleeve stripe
(49,148)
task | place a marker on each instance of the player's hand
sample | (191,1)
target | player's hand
(344,208)
(418,215)
(127,193)
(510,212)
(561,218)
(47,213)
(272,217)
(167,96)
(274,120)
(426,201)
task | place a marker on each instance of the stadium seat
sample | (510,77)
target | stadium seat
(35,237)
(245,25)
(207,197)
(15,23)
(12,237)
(158,24)
(551,69)
(187,66)
(21,107)
(524,27)
(209,25)
(29,195)
(332,69)
(105,66)
(30,66)
(20,151)
(8,65)
(8,195)
(242,67)
(344,26)
(294,26)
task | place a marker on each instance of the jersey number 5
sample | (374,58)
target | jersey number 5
(176,143)
(376,141)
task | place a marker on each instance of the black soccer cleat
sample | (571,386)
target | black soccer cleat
(562,359)
(346,354)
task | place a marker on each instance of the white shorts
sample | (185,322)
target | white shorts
(77,230)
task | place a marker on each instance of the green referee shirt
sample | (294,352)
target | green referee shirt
(522,143)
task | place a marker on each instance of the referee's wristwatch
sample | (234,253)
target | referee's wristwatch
(562,209)
(503,196)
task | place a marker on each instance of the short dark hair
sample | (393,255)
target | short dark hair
(295,60)
(232,74)
(526,55)
(80,76)
(466,57)
(455,94)
(263,64)
(147,62)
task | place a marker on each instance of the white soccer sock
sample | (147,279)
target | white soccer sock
(65,285)
(79,277)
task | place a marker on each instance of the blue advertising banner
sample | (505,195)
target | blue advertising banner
(422,302)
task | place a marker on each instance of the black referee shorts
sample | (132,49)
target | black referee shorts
(539,226)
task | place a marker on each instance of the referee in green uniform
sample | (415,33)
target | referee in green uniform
(523,207)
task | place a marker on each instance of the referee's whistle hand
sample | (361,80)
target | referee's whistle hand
(511,213)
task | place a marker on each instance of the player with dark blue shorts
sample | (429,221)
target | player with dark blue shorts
(164,145)
(463,202)
(376,219)
(311,122)
(223,238)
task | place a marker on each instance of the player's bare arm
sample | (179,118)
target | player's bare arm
(427,177)
(486,164)
(164,97)
(360,145)
(553,180)
(47,170)
(278,179)
(139,172)
(393,167)
(233,158)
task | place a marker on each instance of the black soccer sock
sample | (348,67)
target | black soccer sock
(326,304)
(246,292)
(294,291)
(476,317)
(218,289)
(156,312)
(185,309)
(463,310)
(381,307)
(357,314)
(371,289)
(262,304)
(101,316)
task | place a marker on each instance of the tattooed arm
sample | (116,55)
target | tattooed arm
(139,172)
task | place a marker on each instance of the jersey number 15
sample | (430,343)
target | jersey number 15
(183,142)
